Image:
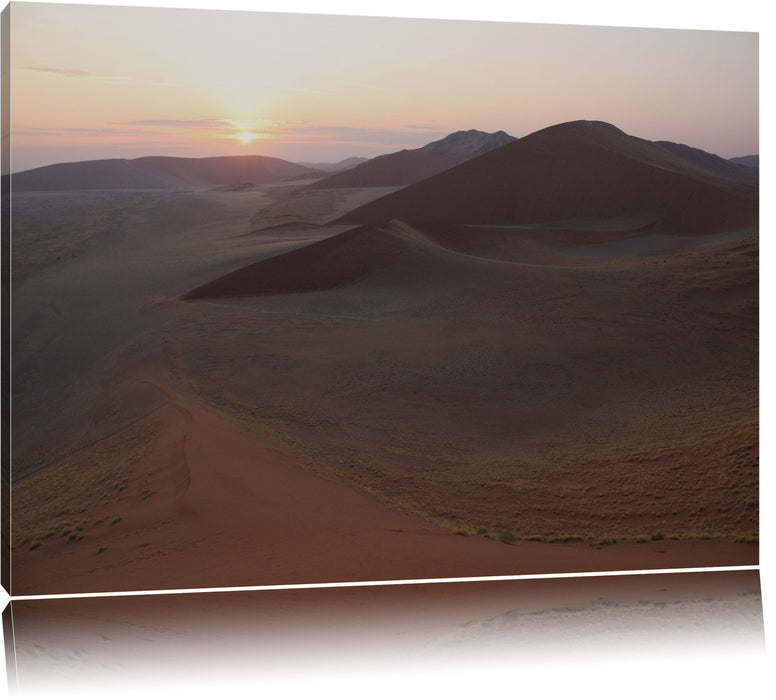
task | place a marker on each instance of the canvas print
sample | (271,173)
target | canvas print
(305,299)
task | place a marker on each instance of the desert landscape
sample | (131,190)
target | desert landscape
(539,355)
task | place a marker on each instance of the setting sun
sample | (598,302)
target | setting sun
(245,137)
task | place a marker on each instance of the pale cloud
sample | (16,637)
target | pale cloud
(422,127)
(77,73)
(73,131)
(189,123)
(68,72)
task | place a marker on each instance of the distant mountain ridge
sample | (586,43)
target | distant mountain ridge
(413,165)
(581,169)
(467,144)
(749,161)
(157,172)
(339,166)
(579,182)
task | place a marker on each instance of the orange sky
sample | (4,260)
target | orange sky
(99,82)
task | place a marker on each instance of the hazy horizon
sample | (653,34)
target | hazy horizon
(95,82)
(300,160)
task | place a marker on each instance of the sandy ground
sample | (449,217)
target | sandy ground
(563,398)
(211,505)
(561,392)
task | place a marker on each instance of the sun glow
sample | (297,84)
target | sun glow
(245,137)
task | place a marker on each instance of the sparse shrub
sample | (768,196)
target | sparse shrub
(506,536)
(658,536)
(482,531)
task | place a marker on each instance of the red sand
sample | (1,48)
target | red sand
(212,505)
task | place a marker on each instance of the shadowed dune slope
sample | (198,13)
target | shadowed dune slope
(157,172)
(399,256)
(409,166)
(576,170)
(712,165)
(333,262)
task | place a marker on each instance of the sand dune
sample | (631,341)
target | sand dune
(157,172)
(409,166)
(211,504)
(397,255)
(580,169)
(330,263)
(712,165)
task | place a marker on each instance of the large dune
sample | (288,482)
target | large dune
(209,504)
(157,172)
(577,170)
(409,166)
(402,253)
(399,256)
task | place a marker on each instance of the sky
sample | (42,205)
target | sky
(91,82)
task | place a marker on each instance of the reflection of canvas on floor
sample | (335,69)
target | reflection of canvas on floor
(281,640)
